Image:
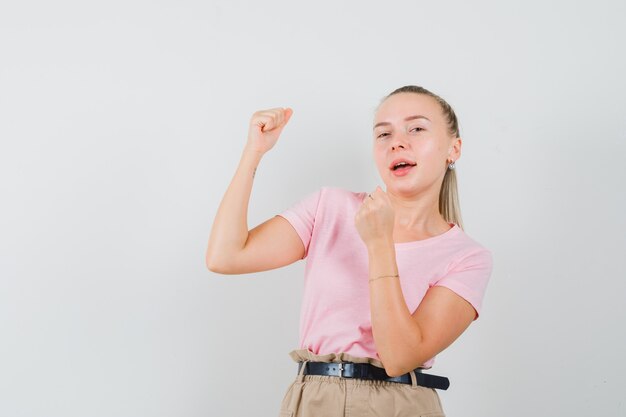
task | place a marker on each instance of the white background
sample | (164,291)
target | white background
(122,123)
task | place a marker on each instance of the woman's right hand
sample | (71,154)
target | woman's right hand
(265,128)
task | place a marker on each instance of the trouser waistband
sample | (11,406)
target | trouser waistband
(368,371)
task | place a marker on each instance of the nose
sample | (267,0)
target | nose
(398,141)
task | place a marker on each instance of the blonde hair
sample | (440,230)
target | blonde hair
(449,206)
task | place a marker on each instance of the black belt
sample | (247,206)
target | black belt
(369,371)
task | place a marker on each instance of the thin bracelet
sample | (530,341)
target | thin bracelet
(384,276)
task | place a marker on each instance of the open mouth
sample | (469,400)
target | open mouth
(401,168)
(402,165)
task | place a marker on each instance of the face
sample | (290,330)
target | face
(412,127)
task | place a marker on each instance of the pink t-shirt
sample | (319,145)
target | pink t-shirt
(335,312)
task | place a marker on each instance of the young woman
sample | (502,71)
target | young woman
(391,278)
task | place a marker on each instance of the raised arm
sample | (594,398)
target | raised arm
(232,248)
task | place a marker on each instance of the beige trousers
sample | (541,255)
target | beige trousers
(331,396)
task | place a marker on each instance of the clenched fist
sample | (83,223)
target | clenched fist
(375,218)
(265,128)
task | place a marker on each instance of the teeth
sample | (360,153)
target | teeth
(400,164)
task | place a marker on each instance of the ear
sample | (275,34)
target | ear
(454,151)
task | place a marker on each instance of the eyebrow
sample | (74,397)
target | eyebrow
(406,120)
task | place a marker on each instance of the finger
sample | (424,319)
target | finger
(274,110)
(278,114)
(264,122)
(284,120)
(271,118)
(279,117)
(379,193)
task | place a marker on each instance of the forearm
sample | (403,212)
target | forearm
(230,226)
(396,334)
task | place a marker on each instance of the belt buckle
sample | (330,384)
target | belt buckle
(341,368)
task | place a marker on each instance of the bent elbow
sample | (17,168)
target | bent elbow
(399,368)
(214,266)
(394,371)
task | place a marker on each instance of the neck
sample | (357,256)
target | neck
(417,213)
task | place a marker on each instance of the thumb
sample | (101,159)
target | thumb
(381,192)
(288,112)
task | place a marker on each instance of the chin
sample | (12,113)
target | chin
(404,188)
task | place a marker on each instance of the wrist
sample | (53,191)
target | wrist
(251,157)
(381,255)
(248,151)
(384,276)
(381,244)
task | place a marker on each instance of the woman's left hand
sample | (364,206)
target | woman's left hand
(375,218)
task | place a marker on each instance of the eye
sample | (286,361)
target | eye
(382,135)
(420,128)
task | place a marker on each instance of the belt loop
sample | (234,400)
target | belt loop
(413,379)
(300,377)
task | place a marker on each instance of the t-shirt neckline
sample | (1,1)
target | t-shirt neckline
(415,243)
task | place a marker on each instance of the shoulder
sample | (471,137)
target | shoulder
(340,201)
(335,193)
(470,250)
(325,199)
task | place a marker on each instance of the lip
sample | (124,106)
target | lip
(396,161)
(402,172)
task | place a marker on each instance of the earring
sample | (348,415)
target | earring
(451,165)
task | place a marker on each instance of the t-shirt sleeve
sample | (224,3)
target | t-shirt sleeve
(301,216)
(469,277)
